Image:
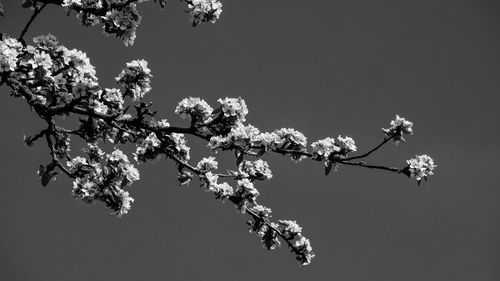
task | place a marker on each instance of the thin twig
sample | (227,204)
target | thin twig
(53,153)
(121,6)
(370,152)
(363,164)
(288,151)
(31,140)
(256,216)
(35,14)
(249,211)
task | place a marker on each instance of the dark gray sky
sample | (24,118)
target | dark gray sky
(323,67)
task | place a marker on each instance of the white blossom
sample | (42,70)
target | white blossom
(247,190)
(304,250)
(234,107)
(114,99)
(207,164)
(181,149)
(346,144)
(262,211)
(240,136)
(9,50)
(269,236)
(399,127)
(163,123)
(126,202)
(210,180)
(223,191)
(218,142)
(71,3)
(147,149)
(258,170)
(291,229)
(118,158)
(197,108)
(46,41)
(204,11)
(324,147)
(76,163)
(292,140)
(122,23)
(267,140)
(136,78)
(421,167)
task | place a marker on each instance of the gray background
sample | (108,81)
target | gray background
(322,67)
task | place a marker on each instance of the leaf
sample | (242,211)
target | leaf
(185,178)
(261,152)
(45,180)
(1,9)
(27,4)
(239,157)
(47,173)
(233,173)
(163,3)
(328,168)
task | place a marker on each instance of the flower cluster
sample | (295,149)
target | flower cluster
(247,193)
(179,147)
(162,124)
(255,170)
(207,164)
(109,101)
(322,149)
(136,78)
(289,230)
(54,74)
(122,165)
(72,3)
(198,109)
(57,82)
(9,50)
(269,236)
(240,137)
(267,141)
(420,167)
(104,182)
(122,23)
(234,108)
(90,12)
(121,19)
(292,140)
(148,149)
(346,145)
(222,191)
(204,11)
(76,70)
(399,127)
(304,251)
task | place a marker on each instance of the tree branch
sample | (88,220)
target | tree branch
(233,200)
(35,14)
(52,150)
(363,164)
(371,151)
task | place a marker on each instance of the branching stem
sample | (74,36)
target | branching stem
(371,151)
(36,12)
(363,164)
